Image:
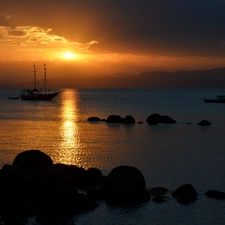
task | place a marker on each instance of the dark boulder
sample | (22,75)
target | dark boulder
(68,176)
(204,123)
(125,185)
(94,176)
(32,161)
(167,119)
(14,178)
(185,194)
(65,176)
(62,200)
(156,119)
(129,120)
(215,194)
(93,118)
(114,119)
(96,193)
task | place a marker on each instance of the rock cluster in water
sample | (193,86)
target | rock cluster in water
(33,186)
(152,119)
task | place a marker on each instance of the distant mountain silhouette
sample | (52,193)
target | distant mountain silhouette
(213,78)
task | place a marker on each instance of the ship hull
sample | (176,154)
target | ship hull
(39,97)
(214,100)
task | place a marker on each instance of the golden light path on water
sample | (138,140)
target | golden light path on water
(69,133)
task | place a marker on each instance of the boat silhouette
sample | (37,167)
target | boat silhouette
(36,94)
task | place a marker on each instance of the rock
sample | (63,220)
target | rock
(32,160)
(215,194)
(80,202)
(129,120)
(156,119)
(158,191)
(94,176)
(185,194)
(204,123)
(64,176)
(93,118)
(167,120)
(114,119)
(14,178)
(96,193)
(160,199)
(125,185)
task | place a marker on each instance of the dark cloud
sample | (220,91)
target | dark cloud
(189,27)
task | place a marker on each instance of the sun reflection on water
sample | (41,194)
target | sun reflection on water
(69,129)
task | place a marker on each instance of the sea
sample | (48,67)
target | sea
(168,155)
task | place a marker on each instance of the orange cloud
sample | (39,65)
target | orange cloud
(32,38)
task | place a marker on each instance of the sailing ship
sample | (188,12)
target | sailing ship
(219,99)
(35,94)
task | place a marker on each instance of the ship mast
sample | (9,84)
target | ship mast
(35,82)
(45,78)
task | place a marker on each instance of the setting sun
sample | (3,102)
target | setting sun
(68,55)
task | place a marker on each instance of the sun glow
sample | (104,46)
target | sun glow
(69,55)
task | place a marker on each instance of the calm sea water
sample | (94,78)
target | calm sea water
(167,155)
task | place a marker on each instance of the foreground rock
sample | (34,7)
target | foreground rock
(155,118)
(34,186)
(32,161)
(49,192)
(185,194)
(125,185)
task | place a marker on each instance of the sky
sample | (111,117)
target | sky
(83,37)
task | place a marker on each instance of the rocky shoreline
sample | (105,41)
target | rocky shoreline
(33,186)
(152,119)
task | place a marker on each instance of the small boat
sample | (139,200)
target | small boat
(13,97)
(219,99)
(35,94)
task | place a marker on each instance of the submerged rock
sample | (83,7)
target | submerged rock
(160,199)
(215,194)
(204,123)
(156,191)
